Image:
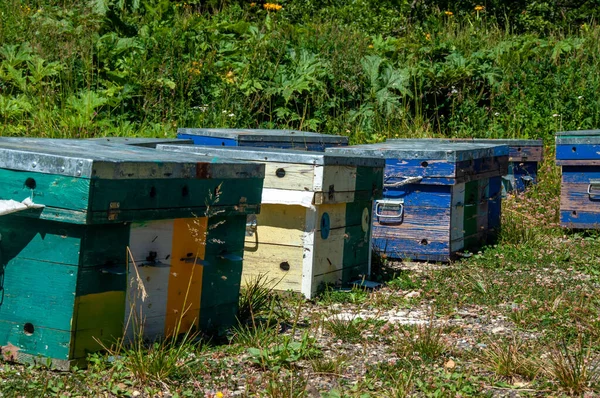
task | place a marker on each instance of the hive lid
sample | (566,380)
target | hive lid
(89,159)
(277,155)
(502,141)
(139,141)
(578,137)
(421,149)
(264,135)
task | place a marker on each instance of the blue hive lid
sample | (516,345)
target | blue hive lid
(264,135)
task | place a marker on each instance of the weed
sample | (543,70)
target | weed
(575,368)
(356,295)
(285,354)
(256,297)
(424,340)
(289,385)
(348,330)
(509,359)
(334,365)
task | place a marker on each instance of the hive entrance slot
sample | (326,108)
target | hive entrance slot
(28,329)
(30,183)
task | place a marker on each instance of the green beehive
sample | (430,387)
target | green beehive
(96,222)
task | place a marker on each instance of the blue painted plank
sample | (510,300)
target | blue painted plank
(495,203)
(580,174)
(579,219)
(577,151)
(421,195)
(200,140)
(412,249)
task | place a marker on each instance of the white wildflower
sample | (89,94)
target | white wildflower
(556,115)
(497,114)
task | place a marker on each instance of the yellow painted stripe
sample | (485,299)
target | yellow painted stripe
(185,278)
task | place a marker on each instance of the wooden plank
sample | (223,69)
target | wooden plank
(278,224)
(299,177)
(40,240)
(413,249)
(268,261)
(51,190)
(185,279)
(174,193)
(574,197)
(44,342)
(40,293)
(148,274)
(336,179)
(98,322)
(457,218)
(579,219)
(578,151)
(423,195)
(222,274)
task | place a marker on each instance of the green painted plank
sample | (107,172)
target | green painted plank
(51,343)
(40,240)
(370,179)
(48,189)
(38,292)
(222,276)
(105,245)
(174,193)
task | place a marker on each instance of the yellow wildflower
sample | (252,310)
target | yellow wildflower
(230,77)
(219,394)
(427,36)
(370,46)
(252,4)
(479,8)
(272,7)
(449,13)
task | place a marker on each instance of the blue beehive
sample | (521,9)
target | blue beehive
(523,159)
(578,154)
(439,200)
(293,139)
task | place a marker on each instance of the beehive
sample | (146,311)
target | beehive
(262,138)
(314,225)
(439,200)
(523,159)
(578,155)
(117,221)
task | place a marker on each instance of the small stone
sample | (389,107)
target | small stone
(136,393)
(498,329)
(413,294)
(450,364)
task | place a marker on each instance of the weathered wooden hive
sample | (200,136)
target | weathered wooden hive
(440,199)
(314,225)
(263,138)
(578,155)
(125,238)
(524,157)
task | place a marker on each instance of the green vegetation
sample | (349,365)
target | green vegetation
(518,318)
(365,69)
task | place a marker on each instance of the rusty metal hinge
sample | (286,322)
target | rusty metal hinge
(113,210)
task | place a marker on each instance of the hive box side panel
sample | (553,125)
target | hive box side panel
(298,177)
(420,228)
(277,248)
(580,197)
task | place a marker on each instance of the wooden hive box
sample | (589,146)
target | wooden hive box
(117,221)
(314,225)
(439,199)
(578,155)
(263,138)
(524,157)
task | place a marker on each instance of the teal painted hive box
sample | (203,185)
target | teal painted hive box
(262,138)
(524,157)
(119,236)
(439,199)
(578,155)
(314,227)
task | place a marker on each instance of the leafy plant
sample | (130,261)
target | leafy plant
(285,354)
